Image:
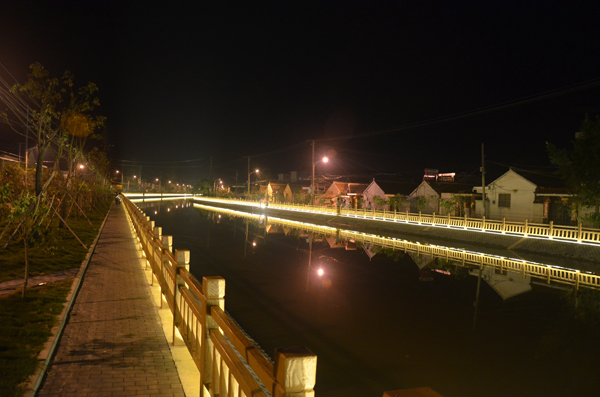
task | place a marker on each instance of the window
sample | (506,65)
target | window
(504,200)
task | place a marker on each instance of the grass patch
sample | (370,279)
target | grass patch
(25,326)
(60,251)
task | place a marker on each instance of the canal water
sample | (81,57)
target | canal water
(381,319)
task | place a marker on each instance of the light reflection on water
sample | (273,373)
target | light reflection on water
(384,319)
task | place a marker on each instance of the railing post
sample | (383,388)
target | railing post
(155,240)
(183,262)
(433,218)
(419,217)
(526,227)
(167,242)
(579,231)
(296,370)
(483,223)
(213,289)
(551,230)
(465,222)
(147,235)
(503,225)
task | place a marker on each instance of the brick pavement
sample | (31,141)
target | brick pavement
(114,344)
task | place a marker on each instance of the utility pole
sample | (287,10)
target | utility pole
(248,174)
(236,183)
(26,146)
(482,182)
(312,189)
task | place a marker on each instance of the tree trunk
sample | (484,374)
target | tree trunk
(39,169)
(26,267)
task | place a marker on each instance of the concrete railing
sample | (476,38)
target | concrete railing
(548,231)
(228,362)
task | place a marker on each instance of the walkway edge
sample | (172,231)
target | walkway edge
(47,353)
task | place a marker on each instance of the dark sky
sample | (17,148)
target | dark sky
(183,83)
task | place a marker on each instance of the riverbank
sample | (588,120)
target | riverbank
(584,257)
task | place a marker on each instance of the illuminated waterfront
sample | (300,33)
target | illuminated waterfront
(378,321)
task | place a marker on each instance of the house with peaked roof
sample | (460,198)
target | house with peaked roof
(295,192)
(349,192)
(372,191)
(429,197)
(272,190)
(536,198)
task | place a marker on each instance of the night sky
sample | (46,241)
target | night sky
(388,86)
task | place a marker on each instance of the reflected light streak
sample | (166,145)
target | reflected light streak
(414,223)
(365,236)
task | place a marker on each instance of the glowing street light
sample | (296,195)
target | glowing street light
(119,172)
(215,185)
(323,160)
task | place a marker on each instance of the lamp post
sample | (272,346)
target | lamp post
(215,185)
(250,173)
(323,160)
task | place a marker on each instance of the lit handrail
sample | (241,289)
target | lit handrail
(192,313)
(550,231)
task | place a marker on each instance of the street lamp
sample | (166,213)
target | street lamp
(323,160)
(215,185)
(250,173)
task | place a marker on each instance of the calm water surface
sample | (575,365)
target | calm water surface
(378,322)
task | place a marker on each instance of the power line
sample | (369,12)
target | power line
(487,109)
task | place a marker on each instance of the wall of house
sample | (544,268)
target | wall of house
(433,199)
(372,191)
(332,191)
(522,196)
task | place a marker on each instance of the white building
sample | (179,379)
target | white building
(536,199)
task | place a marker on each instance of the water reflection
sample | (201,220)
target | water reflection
(383,314)
(498,271)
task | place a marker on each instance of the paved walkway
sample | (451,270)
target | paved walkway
(114,344)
